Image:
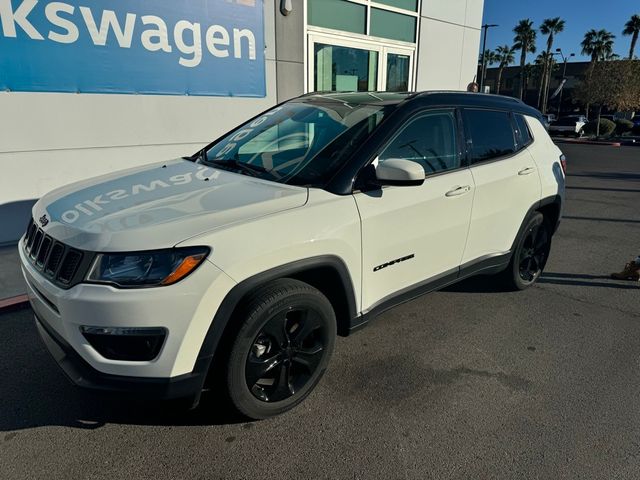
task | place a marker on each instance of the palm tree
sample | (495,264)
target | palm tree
(545,64)
(598,44)
(550,27)
(632,27)
(506,56)
(490,58)
(527,72)
(525,41)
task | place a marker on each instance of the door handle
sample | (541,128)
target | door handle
(526,171)
(458,191)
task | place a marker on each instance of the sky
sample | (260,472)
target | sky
(579,15)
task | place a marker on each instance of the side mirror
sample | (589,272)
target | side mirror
(401,172)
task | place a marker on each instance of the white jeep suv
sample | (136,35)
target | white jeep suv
(236,268)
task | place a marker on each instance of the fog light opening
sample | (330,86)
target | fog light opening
(126,343)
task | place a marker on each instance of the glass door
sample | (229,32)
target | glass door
(346,65)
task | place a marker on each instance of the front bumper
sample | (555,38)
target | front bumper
(84,375)
(184,310)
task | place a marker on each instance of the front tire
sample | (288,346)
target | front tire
(281,350)
(530,255)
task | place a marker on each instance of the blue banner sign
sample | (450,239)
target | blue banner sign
(172,47)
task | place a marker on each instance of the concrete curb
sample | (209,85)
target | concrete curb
(13,303)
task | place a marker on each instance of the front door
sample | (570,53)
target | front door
(411,234)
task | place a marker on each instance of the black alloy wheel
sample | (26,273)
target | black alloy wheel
(534,252)
(286,354)
(530,255)
(283,346)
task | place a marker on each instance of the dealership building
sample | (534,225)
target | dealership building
(92,86)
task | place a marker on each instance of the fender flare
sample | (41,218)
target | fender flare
(223,315)
(552,200)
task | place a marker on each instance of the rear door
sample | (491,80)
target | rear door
(414,233)
(506,181)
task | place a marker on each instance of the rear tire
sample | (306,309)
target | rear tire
(530,255)
(281,350)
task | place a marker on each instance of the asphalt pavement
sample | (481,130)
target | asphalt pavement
(465,383)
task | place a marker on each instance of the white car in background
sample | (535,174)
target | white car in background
(569,125)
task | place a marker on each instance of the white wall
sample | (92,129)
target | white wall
(449,43)
(51,139)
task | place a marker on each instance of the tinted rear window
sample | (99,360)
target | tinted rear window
(490,134)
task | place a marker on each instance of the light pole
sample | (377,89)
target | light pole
(486,28)
(564,77)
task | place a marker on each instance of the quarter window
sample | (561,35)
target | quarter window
(429,140)
(522,131)
(489,134)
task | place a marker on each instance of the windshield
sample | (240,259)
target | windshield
(296,143)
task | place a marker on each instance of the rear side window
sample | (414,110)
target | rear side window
(489,134)
(522,131)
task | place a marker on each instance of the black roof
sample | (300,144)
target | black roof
(427,99)
(358,98)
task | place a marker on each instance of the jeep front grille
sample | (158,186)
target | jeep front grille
(61,264)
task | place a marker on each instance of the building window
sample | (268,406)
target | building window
(392,25)
(361,45)
(392,19)
(403,4)
(338,14)
(345,69)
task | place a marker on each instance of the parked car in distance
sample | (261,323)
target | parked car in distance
(569,125)
(234,269)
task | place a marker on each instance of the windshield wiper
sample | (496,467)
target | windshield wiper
(235,164)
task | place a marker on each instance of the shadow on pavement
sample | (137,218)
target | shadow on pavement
(486,284)
(583,280)
(582,283)
(608,176)
(599,219)
(625,190)
(35,393)
(575,275)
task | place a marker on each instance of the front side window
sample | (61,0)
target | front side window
(429,140)
(489,134)
(299,143)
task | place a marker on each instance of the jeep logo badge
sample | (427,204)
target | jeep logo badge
(44,221)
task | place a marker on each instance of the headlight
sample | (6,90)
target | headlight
(146,269)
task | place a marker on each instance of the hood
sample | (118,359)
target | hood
(158,206)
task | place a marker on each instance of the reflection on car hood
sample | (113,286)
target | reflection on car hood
(157,206)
